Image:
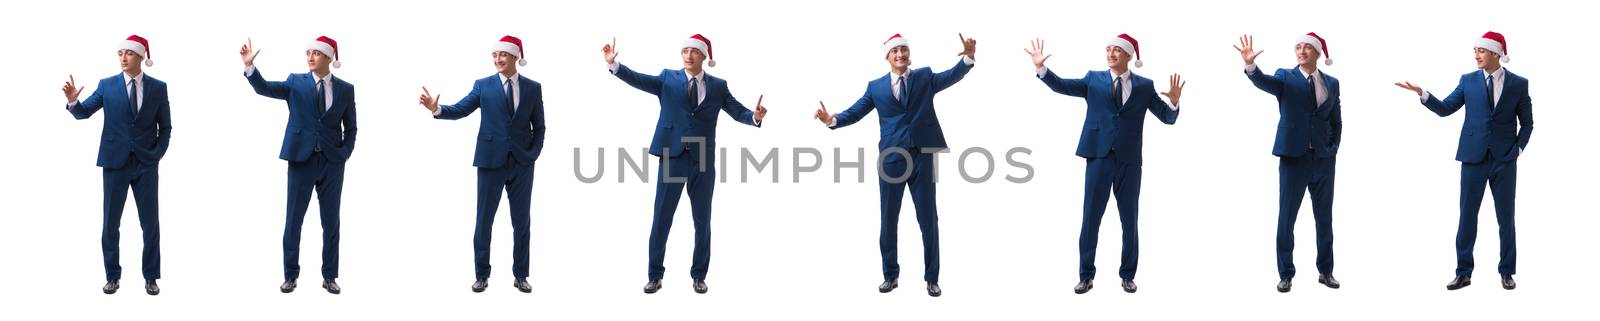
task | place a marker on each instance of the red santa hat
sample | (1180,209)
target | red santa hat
(327,47)
(699,42)
(1311,38)
(511,45)
(139,46)
(1493,41)
(1128,45)
(894,41)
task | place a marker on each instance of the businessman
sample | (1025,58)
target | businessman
(317,142)
(1498,123)
(1111,142)
(685,144)
(137,130)
(1309,128)
(510,136)
(909,137)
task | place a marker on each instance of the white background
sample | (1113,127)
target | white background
(792,250)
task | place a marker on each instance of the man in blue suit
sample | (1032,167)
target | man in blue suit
(317,142)
(510,136)
(1112,142)
(138,127)
(1309,128)
(685,142)
(1491,141)
(909,136)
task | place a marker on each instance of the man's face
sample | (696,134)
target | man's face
(1305,54)
(504,62)
(692,58)
(1485,58)
(317,60)
(1116,58)
(129,60)
(899,57)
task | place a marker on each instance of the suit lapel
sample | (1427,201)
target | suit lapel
(122,95)
(1123,107)
(1505,100)
(522,96)
(887,87)
(1137,96)
(706,85)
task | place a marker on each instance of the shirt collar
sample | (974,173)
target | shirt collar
(896,77)
(325,79)
(701,78)
(1498,73)
(139,77)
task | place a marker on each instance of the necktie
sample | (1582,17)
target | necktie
(694,92)
(511,102)
(1313,81)
(903,90)
(1488,86)
(322,103)
(133,96)
(1116,92)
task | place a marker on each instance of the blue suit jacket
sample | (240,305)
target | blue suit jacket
(910,125)
(681,118)
(505,132)
(309,128)
(125,134)
(1489,129)
(1107,126)
(1301,122)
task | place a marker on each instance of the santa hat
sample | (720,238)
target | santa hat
(1128,45)
(1311,38)
(894,41)
(327,47)
(1493,41)
(700,42)
(513,46)
(138,46)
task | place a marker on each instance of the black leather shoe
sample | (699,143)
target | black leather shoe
(1458,283)
(1083,287)
(1284,285)
(700,287)
(1508,283)
(522,285)
(1328,280)
(934,290)
(1128,286)
(332,287)
(111,287)
(888,285)
(652,286)
(480,285)
(151,288)
(288,286)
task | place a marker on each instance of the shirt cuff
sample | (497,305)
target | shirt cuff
(1041,71)
(833,122)
(249,71)
(1174,107)
(438,111)
(72,104)
(1425,96)
(614,67)
(1250,68)
(968,60)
